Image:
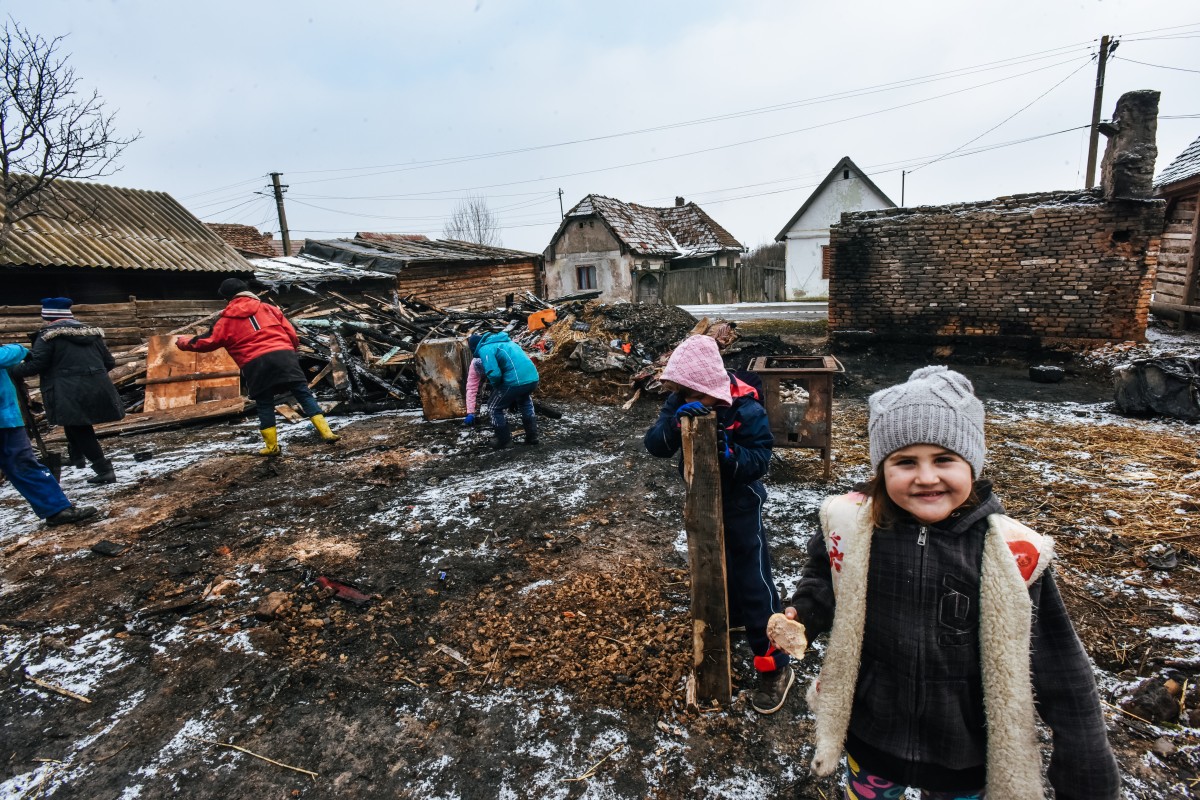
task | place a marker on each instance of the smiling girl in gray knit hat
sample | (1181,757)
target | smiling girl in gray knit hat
(936,665)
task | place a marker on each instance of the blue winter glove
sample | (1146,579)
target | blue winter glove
(693,409)
(724,451)
(469,420)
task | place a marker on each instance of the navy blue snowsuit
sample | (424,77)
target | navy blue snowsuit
(752,593)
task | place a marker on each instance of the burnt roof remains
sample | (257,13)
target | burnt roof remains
(1186,165)
(680,231)
(394,252)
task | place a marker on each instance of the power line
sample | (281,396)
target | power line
(221,188)
(848,94)
(231,208)
(1160,66)
(1006,119)
(757,139)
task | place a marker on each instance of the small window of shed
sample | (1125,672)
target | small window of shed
(846,174)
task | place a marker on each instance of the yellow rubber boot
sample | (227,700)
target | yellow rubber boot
(318,421)
(271,438)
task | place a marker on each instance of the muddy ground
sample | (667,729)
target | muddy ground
(527,629)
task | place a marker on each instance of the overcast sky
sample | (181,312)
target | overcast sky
(383,115)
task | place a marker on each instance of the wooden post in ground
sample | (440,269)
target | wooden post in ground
(706,556)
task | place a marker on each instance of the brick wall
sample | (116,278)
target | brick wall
(1037,269)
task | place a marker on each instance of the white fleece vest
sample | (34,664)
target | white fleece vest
(1014,556)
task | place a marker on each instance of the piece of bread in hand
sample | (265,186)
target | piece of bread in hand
(787,634)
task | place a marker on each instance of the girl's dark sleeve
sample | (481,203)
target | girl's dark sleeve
(37,362)
(751,444)
(813,599)
(664,439)
(106,356)
(1064,687)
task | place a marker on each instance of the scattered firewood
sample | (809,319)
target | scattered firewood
(591,773)
(308,772)
(56,689)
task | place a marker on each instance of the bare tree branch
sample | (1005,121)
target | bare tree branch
(49,129)
(473,221)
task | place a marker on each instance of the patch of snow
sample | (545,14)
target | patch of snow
(83,666)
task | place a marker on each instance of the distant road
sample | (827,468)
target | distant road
(742,312)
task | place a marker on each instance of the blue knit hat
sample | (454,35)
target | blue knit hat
(56,308)
(473,342)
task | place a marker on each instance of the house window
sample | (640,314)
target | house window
(825,262)
(585,277)
(846,174)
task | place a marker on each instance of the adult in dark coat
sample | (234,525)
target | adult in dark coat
(73,363)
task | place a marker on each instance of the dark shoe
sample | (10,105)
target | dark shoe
(503,437)
(71,515)
(77,463)
(102,477)
(772,690)
(532,441)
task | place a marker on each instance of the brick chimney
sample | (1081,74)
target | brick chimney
(678,201)
(1127,170)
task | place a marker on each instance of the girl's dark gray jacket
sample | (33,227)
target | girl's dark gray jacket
(918,704)
(73,363)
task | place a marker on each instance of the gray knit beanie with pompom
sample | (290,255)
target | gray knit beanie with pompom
(936,406)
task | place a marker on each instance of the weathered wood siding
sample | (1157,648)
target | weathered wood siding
(1176,283)
(468,287)
(746,283)
(125,324)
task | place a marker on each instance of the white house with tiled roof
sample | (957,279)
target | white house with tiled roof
(1177,287)
(624,249)
(845,188)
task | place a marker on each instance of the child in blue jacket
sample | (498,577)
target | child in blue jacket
(701,385)
(513,378)
(17,461)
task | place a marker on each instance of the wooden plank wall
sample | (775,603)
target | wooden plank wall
(701,286)
(468,288)
(125,324)
(1174,258)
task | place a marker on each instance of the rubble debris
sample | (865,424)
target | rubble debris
(1167,386)
(104,547)
(1152,702)
(342,591)
(273,605)
(1046,374)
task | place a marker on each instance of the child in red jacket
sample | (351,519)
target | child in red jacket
(263,343)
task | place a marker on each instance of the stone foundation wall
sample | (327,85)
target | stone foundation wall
(1044,269)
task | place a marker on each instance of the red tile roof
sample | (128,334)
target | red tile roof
(244,238)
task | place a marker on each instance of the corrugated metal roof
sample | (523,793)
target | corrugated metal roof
(287,270)
(681,231)
(394,252)
(1186,165)
(94,225)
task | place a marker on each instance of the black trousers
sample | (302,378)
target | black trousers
(82,441)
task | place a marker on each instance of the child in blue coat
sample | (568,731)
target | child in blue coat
(701,385)
(513,378)
(17,461)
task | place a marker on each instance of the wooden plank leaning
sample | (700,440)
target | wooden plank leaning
(702,519)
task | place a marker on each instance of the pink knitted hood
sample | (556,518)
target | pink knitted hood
(696,364)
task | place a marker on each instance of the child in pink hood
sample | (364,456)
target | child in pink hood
(701,385)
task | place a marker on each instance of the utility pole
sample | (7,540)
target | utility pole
(1098,99)
(561,213)
(283,228)
(902,174)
